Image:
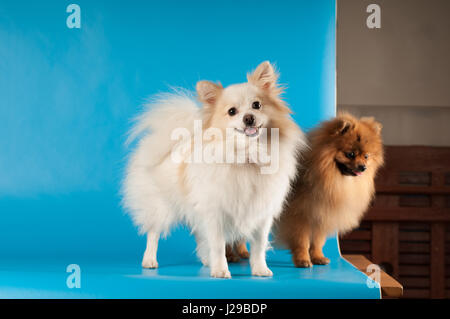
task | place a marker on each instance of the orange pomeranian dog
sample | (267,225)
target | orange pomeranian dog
(334,187)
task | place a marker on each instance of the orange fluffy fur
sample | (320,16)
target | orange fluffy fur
(334,186)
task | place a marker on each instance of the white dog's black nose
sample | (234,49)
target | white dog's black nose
(249,119)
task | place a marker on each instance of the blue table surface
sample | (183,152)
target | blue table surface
(181,275)
(70,229)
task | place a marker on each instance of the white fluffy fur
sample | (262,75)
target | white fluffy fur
(221,203)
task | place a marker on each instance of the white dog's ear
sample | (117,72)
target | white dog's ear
(264,76)
(208,92)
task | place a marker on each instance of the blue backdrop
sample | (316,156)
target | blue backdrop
(66,100)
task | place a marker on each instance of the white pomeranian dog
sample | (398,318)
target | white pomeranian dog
(208,165)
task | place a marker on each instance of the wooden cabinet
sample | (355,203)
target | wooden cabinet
(407,229)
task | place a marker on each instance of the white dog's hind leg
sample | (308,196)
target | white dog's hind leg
(258,246)
(149,260)
(202,249)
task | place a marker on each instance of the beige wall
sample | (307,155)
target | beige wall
(409,126)
(399,73)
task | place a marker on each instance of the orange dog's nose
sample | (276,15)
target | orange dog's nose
(362,168)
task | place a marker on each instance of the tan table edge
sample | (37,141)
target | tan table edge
(389,286)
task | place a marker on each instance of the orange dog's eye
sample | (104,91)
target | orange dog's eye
(256,105)
(232,111)
(366,156)
(350,155)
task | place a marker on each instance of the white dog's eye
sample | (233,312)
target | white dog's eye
(256,105)
(232,111)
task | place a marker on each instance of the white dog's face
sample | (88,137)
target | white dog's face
(241,108)
(246,108)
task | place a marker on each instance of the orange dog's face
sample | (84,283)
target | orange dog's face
(246,107)
(358,145)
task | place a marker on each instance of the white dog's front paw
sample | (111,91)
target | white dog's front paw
(149,262)
(262,271)
(220,273)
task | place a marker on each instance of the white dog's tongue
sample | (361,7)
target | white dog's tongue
(250,130)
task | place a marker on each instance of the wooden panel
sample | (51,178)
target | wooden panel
(447,201)
(414,236)
(414,270)
(414,259)
(365,225)
(438,180)
(385,200)
(416,293)
(415,282)
(414,178)
(355,246)
(414,200)
(393,189)
(437,260)
(409,214)
(414,226)
(447,259)
(421,248)
(359,235)
(385,246)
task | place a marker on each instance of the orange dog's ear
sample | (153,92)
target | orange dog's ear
(264,76)
(341,126)
(377,126)
(208,92)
